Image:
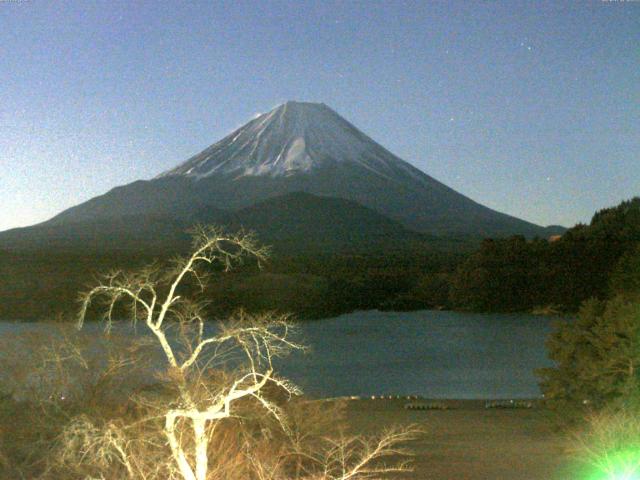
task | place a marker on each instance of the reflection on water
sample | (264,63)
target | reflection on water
(429,353)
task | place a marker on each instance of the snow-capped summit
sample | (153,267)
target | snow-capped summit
(293,138)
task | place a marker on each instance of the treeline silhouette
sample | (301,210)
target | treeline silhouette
(596,354)
(492,275)
(515,275)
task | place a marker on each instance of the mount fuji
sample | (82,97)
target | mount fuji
(296,147)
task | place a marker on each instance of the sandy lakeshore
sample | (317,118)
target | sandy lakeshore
(469,442)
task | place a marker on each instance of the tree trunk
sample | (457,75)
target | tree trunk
(201,440)
(176,450)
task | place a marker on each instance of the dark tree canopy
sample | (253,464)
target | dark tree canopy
(587,261)
(597,356)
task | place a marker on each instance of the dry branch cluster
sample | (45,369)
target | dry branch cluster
(217,409)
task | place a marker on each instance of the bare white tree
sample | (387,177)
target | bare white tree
(215,374)
(154,298)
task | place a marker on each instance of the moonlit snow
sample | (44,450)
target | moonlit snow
(294,138)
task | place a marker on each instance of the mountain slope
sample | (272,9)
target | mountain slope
(127,232)
(293,222)
(309,148)
(301,220)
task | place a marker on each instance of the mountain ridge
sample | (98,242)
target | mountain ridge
(294,221)
(302,147)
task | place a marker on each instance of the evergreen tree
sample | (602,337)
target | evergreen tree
(597,356)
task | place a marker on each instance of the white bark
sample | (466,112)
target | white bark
(257,342)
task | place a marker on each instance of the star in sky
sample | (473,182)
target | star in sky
(527,45)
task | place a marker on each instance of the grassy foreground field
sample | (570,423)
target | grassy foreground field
(469,442)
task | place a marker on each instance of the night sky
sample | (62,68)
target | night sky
(531,108)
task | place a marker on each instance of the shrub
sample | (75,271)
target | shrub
(597,357)
(608,445)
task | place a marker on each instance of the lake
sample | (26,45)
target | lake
(434,354)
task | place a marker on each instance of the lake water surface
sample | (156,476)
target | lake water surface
(435,354)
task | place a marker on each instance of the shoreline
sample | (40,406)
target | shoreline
(536,312)
(514,403)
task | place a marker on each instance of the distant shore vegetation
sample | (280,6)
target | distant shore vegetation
(553,275)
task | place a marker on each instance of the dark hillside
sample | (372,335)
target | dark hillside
(515,274)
